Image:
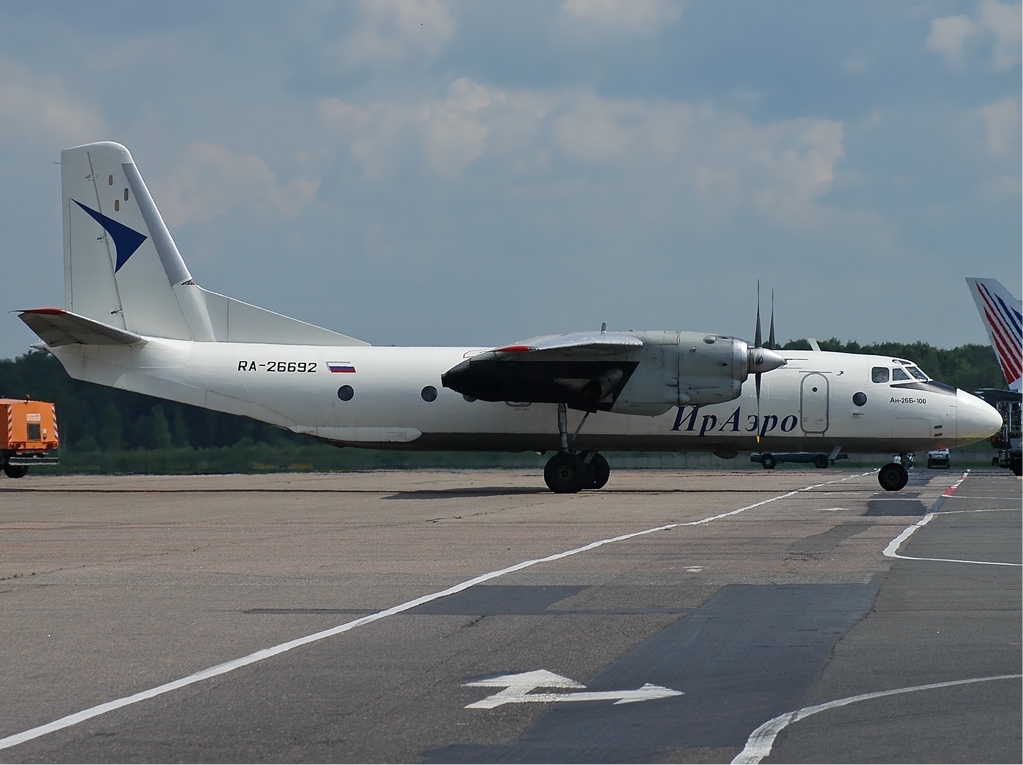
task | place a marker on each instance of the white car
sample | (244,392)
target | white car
(938,458)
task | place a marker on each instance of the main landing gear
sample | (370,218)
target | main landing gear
(570,472)
(894,476)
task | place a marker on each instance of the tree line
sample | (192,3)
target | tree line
(94,418)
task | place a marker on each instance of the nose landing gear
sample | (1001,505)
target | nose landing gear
(893,476)
(569,472)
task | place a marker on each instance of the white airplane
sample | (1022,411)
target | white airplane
(136,320)
(1003,318)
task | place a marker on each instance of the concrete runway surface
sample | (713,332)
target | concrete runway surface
(446,616)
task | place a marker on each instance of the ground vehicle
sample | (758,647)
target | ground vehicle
(28,435)
(769,459)
(939,458)
(1006,440)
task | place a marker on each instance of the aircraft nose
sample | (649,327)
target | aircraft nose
(975,419)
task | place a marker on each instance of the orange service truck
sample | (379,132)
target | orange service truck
(28,436)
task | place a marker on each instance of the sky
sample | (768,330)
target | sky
(423,172)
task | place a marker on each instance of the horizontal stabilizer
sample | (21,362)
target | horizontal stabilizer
(58,327)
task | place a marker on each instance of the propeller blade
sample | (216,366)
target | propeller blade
(757,379)
(759,337)
(770,341)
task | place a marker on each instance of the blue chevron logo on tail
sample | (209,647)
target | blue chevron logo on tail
(126,240)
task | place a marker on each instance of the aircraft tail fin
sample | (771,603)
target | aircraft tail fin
(122,268)
(1003,319)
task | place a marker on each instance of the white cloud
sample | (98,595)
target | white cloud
(448,134)
(396,31)
(1003,23)
(855,65)
(1002,121)
(40,110)
(998,24)
(948,37)
(800,157)
(208,180)
(711,158)
(641,17)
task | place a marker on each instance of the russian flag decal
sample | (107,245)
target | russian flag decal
(342,367)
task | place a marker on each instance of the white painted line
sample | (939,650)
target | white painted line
(891,551)
(267,653)
(518,687)
(759,744)
(982,510)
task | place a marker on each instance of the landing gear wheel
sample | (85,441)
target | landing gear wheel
(597,469)
(768,461)
(566,473)
(15,471)
(893,477)
(820,461)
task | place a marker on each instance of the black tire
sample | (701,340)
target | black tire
(1016,467)
(15,471)
(566,473)
(821,461)
(768,461)
(893,477)
(598,470)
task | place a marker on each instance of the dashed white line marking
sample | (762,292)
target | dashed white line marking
(268,653)
(759,744)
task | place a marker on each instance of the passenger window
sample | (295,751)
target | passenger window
(898,374)
(879,374)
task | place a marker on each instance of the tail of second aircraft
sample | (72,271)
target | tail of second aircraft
(123,272)
(1002,317)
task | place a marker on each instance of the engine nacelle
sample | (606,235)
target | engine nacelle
(679,368)
(666,369)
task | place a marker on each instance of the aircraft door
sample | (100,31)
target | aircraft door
(813,403)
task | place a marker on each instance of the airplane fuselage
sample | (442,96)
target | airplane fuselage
(390,397)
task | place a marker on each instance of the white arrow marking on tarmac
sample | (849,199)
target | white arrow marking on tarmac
(517,690)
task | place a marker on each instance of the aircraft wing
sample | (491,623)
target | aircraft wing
(58,327)
(586,370)
(571,346)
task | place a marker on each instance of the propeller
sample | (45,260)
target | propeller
(762,359)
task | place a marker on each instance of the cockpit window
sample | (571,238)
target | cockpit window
(879,374)
(899,374)
(915,371)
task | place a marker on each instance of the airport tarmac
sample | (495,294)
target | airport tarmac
(472,616)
